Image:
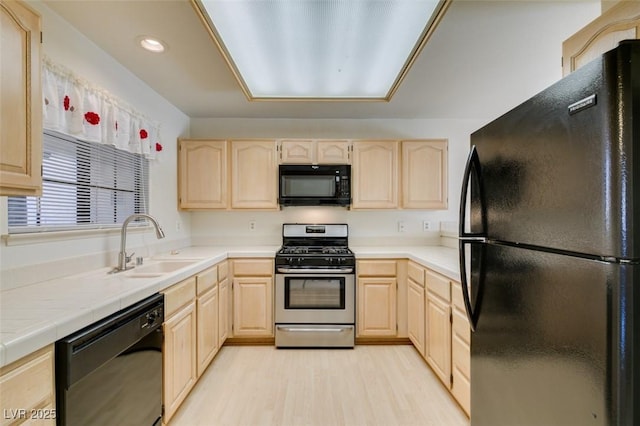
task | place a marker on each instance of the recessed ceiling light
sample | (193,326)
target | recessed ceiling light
(152,44)
(320,49)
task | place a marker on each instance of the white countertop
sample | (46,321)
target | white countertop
(37,315)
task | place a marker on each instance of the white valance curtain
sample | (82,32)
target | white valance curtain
(77,108)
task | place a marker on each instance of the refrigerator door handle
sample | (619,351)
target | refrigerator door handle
(469,238)
(472,311)
(472,166)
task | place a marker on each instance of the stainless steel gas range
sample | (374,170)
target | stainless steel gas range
(315,287)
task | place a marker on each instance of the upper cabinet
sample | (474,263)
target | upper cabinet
(620,22)
(424,174)
(20,100)
(374,183)
(254,174)
(243,174)
(220,174)
(309,151)
(202,171)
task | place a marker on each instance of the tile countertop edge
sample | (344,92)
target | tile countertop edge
(440,259)
(443,260)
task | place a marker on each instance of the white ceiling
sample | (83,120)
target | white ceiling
(481,51)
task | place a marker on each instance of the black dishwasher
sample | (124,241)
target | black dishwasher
(110,373)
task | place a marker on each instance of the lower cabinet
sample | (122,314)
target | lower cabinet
(460,351)
(439,329)
(438,326)
(179,349)
(415,306)
(253,298)
(207,317)
(224,303)
(376,295)
(27,393)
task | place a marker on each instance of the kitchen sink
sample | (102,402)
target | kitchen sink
(158,268)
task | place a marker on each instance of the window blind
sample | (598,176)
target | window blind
(85,185)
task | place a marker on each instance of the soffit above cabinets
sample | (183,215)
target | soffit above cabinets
(320,49)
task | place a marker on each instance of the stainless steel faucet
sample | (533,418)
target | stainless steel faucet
(123,259)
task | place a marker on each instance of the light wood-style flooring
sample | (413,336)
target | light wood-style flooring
(368,385)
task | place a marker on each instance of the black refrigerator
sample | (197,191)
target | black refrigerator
(550,253)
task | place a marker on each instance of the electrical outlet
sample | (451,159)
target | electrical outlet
(426,225)
(252,225)
(401,226)
(178,225)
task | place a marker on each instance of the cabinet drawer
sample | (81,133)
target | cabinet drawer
(223,270)
(456,296)
(439,285)
(416,273)
(379,268)
(253,267)
(27,384)
(179,295)
(207,279)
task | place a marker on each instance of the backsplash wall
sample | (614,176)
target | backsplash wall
(376,228)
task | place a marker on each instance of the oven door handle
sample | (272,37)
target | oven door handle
(319,330)
(314,271)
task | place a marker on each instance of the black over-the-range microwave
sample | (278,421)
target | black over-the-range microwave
(315,185)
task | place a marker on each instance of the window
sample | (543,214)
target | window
(85,185)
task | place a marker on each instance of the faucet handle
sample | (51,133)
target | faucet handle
(128,258)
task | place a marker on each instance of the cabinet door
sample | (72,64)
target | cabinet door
(254,175)
(207,326)
(461,359)
(179,354)
(377,307)
(293,151)
(438,326)
(424,174)
(374,180)
(333,152)
(203,174)
(27,384)
(253,307)
(620,22)
(223,311)
(20,100)
(415,312)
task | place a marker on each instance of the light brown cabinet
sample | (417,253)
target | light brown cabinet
(20,100)
(254,174)
(202,174)
(27,390)
(424,174)
(460,351)
(374,182)
(207,317)
(620,22)
(220,174)
(438,326)
(318,151)
(224,305)
(179,348)
(253,298)
(415,306)
(377,292)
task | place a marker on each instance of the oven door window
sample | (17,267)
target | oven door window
(314,293)
(308,186)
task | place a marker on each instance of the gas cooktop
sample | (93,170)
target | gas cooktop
(315,245)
